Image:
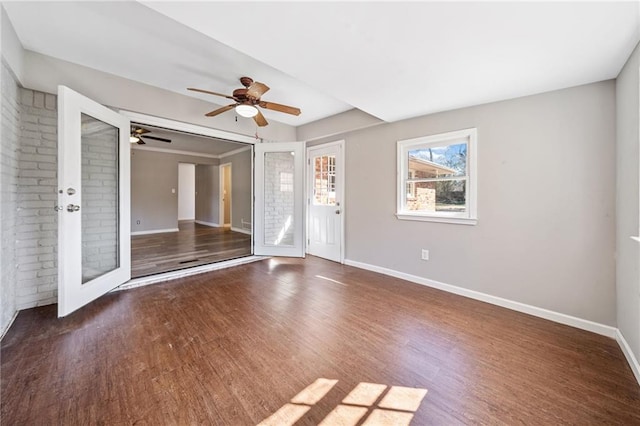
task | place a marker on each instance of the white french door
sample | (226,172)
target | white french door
(279,199)
(325,202)
(94,247)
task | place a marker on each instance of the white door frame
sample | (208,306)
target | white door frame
(341,180)
(221,171)
(151,120)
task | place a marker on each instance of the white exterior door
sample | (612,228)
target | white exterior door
(94,248)
(325,202)
(279,199)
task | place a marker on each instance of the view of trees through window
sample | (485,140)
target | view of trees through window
(437,178)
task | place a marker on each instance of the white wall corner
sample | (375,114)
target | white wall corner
(12,50)
(558,317)
(628,353)
(212,224)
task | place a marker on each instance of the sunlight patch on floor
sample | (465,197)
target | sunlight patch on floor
(330,279)
(314,392)
(364,394)
(288,414)
(367,403)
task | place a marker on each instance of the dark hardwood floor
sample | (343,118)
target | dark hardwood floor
(281,340)
(193,245)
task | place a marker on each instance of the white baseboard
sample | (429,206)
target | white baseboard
(155,231)
(244,231)
(558,317)
(628,353)
(202,222)
(158,278)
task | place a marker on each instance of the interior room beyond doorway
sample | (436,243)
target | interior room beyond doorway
(184,212)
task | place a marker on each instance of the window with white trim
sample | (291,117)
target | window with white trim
(437,178)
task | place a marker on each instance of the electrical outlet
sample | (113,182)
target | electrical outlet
(137,222)
(425,254)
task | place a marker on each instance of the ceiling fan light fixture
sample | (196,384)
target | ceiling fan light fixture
(247,111)
(133,139)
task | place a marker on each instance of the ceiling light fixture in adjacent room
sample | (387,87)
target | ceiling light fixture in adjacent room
(133,139)
(247,111)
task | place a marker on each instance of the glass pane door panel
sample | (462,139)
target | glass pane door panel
(324,178)
(279,199)
(100,203)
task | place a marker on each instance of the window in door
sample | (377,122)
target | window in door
(324,187)
(279,198)
(100,217)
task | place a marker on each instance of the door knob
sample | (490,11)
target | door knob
(73,208)
(337,211)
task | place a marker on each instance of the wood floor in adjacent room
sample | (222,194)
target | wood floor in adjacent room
(193,245)
(307,340)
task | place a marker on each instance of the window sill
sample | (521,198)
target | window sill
(440,219)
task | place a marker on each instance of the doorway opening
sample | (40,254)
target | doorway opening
(225,190)
(186,210)
(186,191)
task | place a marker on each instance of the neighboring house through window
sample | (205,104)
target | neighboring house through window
(437,178)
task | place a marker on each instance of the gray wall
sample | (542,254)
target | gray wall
(208,194)
(153,176)
(546,205)
(628,140)
(241,172)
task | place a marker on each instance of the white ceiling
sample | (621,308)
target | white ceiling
(392,60)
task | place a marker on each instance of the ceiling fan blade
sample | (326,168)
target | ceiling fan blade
(156,138)
(139,130)
(140,142)
(220,110)
(260,120)
(211,93)
(256,90)
(280,108)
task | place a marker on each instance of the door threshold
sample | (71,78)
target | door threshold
(181,273)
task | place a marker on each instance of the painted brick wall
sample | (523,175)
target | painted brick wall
(279,202)
(36,230)
(8,194)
